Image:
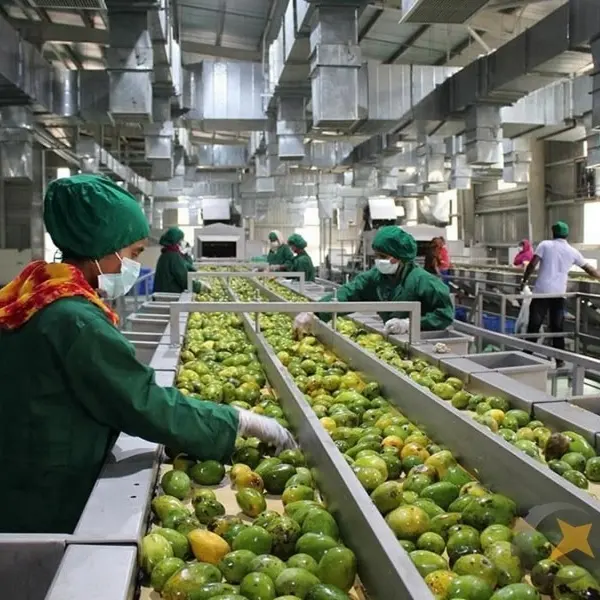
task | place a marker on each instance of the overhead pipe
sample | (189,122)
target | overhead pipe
(517,160)
(291,128)
(16,143)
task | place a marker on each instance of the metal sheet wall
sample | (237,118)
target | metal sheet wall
(505,221)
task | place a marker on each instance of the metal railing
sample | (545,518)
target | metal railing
(178,308)
(199,275)
(132,301)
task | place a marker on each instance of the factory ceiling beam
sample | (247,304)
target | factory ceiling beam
(362,34)
(407,45)
(220,52)
(55,33)
(221,25)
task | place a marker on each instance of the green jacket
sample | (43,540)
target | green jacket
(189,263)
(71,384)
(171,273)
(410,284)
(283,255)
(303,263)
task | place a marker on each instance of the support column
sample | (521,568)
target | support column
(466,210)
(536,193)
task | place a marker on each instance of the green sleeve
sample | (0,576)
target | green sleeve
(361,289)
(120,392)
(272,257)
(436,305)
(179,270)
(189,264)
(286,257)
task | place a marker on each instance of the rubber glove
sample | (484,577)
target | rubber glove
(396,326)
(206,287)
(265,429)
(303,323)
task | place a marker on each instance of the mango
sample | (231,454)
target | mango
(251,501)
(338,567)
(208,547)
(191,579)
(153,549)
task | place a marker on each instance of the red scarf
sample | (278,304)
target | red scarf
(41,284)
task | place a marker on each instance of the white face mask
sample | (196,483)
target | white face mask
(386,267)
(115,285)
(275,244)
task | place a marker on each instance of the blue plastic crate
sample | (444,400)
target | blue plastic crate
(460,314)
(144,287)
(492,323)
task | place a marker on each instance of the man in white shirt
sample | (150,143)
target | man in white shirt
(555,257)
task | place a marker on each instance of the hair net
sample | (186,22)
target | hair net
(171,237)
(90,216)
(393,241)
(275,236)
(297,240)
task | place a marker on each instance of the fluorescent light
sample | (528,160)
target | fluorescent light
(63,172)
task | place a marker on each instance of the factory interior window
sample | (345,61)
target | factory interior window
(591,216)
(62,172)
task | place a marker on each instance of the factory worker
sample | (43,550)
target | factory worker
(302,263)
(280,255)
(71,381)
(395,277)
(524,255)
(171,268)
(188,258)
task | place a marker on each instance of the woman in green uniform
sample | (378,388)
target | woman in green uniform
(71,381)
(395,277)
(171,268)
(302,261)
(280,256)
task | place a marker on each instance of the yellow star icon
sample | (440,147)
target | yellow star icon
(574,538)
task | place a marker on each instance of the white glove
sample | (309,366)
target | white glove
(303,323)
(441,348)
(265,429)
(206,287)
(397,326)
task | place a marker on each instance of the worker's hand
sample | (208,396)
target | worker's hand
(521,287)
(303,324)
(205,287)
(265,429)
(397,326)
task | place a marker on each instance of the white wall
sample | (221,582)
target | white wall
(12,262)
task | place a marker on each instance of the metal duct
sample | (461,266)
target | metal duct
(411,211)
(16,143)
(431,159)
(158,144)
(595,46)
(483,135)
(593,157)
(517,159)
(265,165)
(338,100)
(130,68)
(460,171)
(219,156)
(232,96)
(439,11)
(148,203)
(291,127)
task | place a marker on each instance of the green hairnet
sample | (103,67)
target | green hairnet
(90,216)
(560,229)
(393,241)
(297,240)
(171,237)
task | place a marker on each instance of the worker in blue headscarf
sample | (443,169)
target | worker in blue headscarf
(395,277)
(71,380)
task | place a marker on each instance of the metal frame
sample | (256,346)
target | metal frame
(362,526)
(413,308)
(195,275)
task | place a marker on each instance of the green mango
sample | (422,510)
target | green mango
(318,520)
(532,547)
(163,571)
(315,545)
(257,586)
(154,548)
(478,565)
(322,591)
(189,579)
(338,567)
(267,564)
(236,565)
(543,574)
(575,583)
(208,591)
(285,532)
(505,558)
(442,493)
(178,541)
(492,509)
(427,562)
(297,582)
(516,591)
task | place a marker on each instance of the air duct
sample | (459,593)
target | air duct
(130,61)
(16,143)
(158,142)
(517,159)
(431,159)
(460,171)
(232,96)
(483,135)
(335,61)
(265,165)
(219,156)
(291,128)
(439,11)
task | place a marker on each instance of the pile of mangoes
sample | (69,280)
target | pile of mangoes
(195,551)
(465,540)
(566,453)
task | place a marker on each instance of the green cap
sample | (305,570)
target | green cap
(393,241)
(171,237)
(273,237)
(297,240)
(90,216)
(560,229)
